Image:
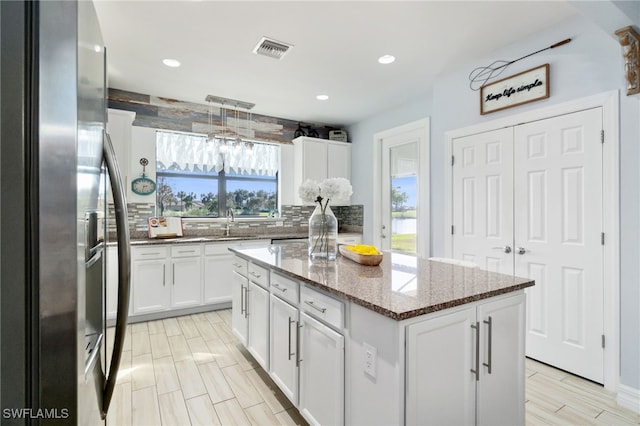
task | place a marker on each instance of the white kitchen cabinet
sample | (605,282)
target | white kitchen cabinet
(501,387)
(440,355)
(321,373)
(186,276)
(284,347)
(239,322)
(119,124)
(149,280)
(218,275)
(317,159)
(467,366)
(258,318)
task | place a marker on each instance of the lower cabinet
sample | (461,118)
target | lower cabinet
(165,279)
(217,273)
(239,322)
(258,317)
(467,367)
(284,347)
(321,373)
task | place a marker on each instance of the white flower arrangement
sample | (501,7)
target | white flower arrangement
(331,188)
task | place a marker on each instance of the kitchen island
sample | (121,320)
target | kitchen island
(410,341)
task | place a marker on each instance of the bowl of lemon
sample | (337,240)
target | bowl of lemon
(362,254)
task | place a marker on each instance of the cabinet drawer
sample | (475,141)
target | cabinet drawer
(284,287)
(322,307)
(258,275)
(150,252)
(216,248)
(181,250)
(239,265)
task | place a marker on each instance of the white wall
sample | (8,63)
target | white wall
(592,63)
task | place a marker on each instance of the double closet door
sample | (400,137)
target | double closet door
(527,200)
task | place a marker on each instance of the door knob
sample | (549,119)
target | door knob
(506,249)
(521,250)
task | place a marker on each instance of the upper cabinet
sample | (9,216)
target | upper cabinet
(119,129)
(315,159)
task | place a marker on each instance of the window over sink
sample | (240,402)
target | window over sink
(197,177)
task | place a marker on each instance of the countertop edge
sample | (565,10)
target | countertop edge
(398,316)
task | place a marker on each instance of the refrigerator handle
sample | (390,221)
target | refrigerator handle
(124,269)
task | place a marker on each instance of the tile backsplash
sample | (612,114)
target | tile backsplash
(292,220)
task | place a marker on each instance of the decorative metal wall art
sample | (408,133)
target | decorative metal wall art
(630,41)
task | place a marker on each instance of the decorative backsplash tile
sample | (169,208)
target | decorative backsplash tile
(292,220)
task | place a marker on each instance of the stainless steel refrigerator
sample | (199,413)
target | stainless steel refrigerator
(55,157)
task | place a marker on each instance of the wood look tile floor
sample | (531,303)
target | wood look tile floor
(192,371)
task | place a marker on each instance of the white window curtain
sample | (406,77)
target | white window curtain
(192,153)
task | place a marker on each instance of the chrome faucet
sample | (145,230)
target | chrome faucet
(230,218)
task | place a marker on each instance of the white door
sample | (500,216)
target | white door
(558,199)
(549,215)
(483,200)
(401,194)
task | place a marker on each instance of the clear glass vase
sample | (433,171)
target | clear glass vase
(323,234)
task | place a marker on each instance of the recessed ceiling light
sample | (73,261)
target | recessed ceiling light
(171,63)
(386,59)
(322,97)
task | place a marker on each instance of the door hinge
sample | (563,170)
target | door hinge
(602,238)
(603,341)
(453,160)
(601,136)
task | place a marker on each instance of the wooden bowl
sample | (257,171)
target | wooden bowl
(363,259)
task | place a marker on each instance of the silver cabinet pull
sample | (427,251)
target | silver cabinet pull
(290,322)
(489,323)
(237,265)
(186,251)
(164,270)
(173,274)
(310,303)
(246,302)
(521,250)
(298,359)
(242,308)
(255,275)
(506,249)
(149,254)
(282,289)
(476,326)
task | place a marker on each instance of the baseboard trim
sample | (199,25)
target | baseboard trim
(629,397)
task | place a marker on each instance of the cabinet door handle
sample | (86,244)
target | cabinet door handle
(242,308)
(487,364)
(298,359)
(476,326)
(173,274)
(275,285)
(246,301)
(310,303)
(290,353)
(164,270)
(149,254)
(255,275)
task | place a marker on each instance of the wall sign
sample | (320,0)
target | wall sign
(522,88)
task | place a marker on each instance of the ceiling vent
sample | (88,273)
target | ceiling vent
(271,48)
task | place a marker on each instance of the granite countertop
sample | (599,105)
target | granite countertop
(401,287)
(207,239)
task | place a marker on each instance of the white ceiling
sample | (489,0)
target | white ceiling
(336,46)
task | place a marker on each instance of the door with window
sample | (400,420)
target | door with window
(403,187)
(539,214)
